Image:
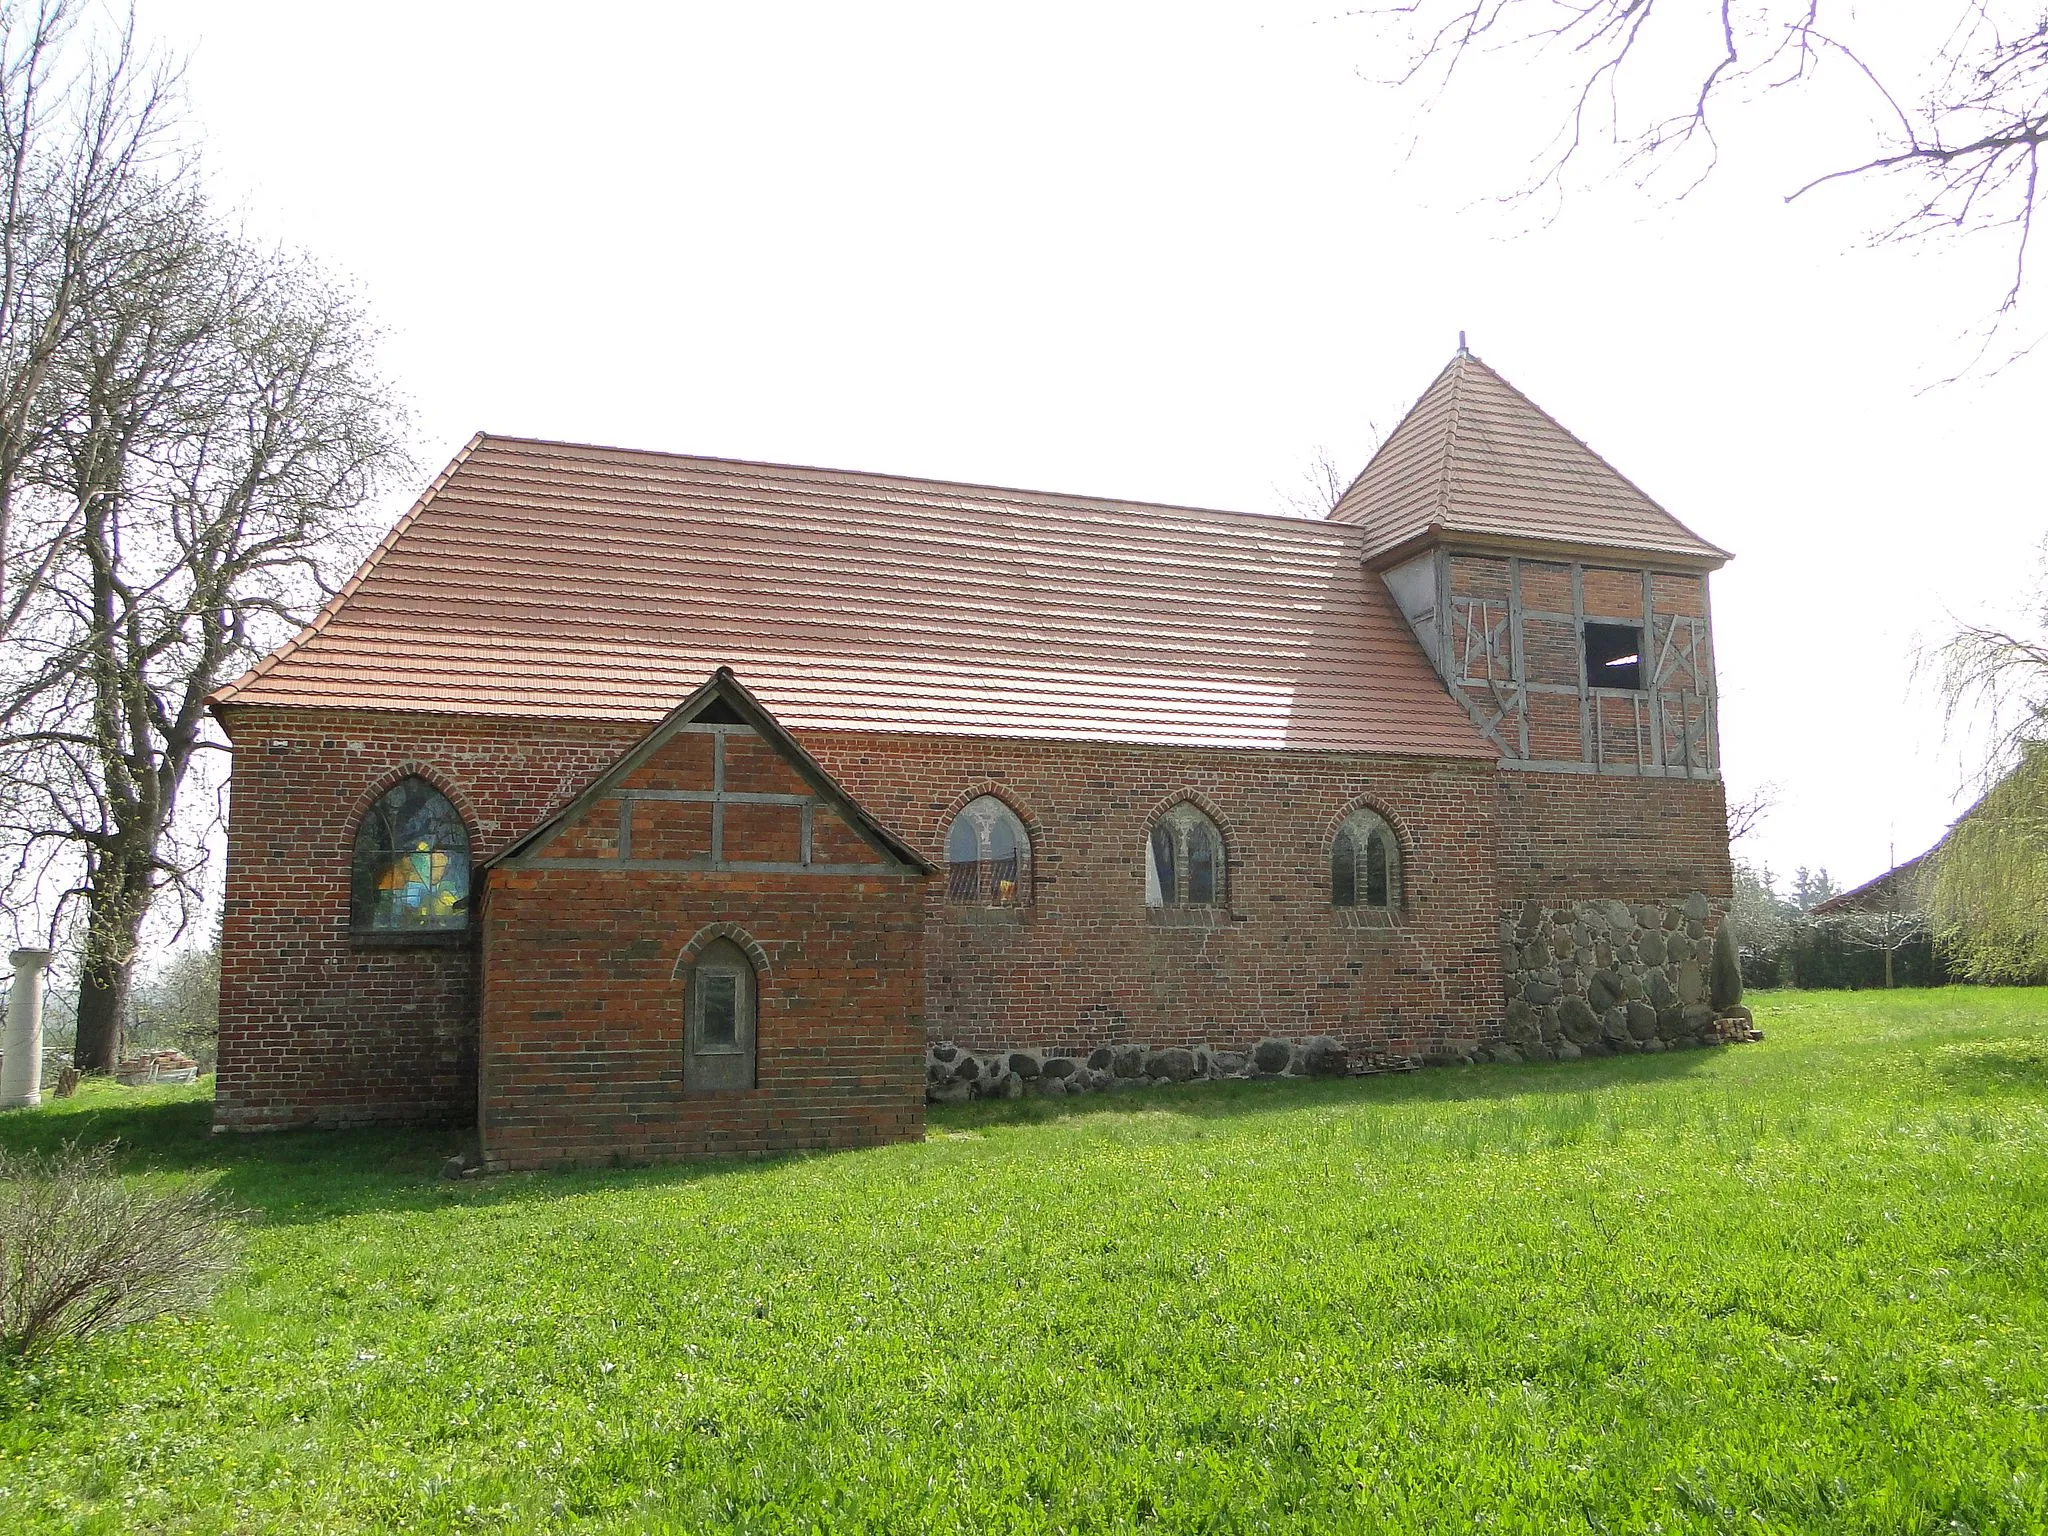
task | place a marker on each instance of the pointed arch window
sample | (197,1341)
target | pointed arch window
(719,1043)
(410,870)
(988,856)
(1365,864)
(1184,864)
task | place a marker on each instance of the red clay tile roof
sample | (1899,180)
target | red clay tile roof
(1475,456)
(559,581)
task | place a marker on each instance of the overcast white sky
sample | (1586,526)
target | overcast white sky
(1164,252)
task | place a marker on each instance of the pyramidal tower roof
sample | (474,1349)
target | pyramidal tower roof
(1476,459)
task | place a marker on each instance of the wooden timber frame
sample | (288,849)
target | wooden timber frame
(747,718)
(1479,641)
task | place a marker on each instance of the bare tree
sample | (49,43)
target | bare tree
(208,429)
(1887,932)
(1747,814)
(1962,138)
(1317,489)
(224,434)
(85,136)
(1899,922)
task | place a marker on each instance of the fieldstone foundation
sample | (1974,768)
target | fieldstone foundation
(1585,978)
(954,1074)
(1599,977)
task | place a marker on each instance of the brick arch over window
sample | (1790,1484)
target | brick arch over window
(1209,808)
(1402,836)
(995,789)
(973,886)
(1367,853)
(1174,863)
(377,911)
(709,935)
(449,790)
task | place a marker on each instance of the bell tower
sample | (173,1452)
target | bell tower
(1563,608)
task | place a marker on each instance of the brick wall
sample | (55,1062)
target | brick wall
(589,938)
(317,1028)
(582,1014)
(1085,964)
(320,1028)
(1577,836)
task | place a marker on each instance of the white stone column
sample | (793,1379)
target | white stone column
(21,1066)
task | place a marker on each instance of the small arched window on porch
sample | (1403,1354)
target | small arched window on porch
(988,856)
(1365,864)
(719,1041)
(1184,862)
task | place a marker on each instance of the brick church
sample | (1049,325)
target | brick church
(633,804)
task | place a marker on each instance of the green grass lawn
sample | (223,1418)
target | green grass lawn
(1793,1286)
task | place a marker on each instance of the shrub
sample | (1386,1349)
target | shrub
(1725,972)
(83,1252)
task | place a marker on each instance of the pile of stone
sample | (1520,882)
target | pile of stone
(1595,978)
(953,1073)
(167,1066)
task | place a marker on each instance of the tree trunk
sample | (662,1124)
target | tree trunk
(1888,969)
(113,922)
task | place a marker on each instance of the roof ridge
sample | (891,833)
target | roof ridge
(883,474)
(347,589)
(1443,476)
(1387,442)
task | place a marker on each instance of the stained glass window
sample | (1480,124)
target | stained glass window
(410,873)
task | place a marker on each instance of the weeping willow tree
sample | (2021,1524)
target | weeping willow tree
(1990,895)
(1991,880)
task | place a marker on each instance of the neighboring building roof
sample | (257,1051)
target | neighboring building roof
(723,688)
(1898,889)
(551,580)
(1476,458)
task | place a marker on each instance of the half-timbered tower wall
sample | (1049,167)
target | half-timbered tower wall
(1610,780)
(1510,635)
